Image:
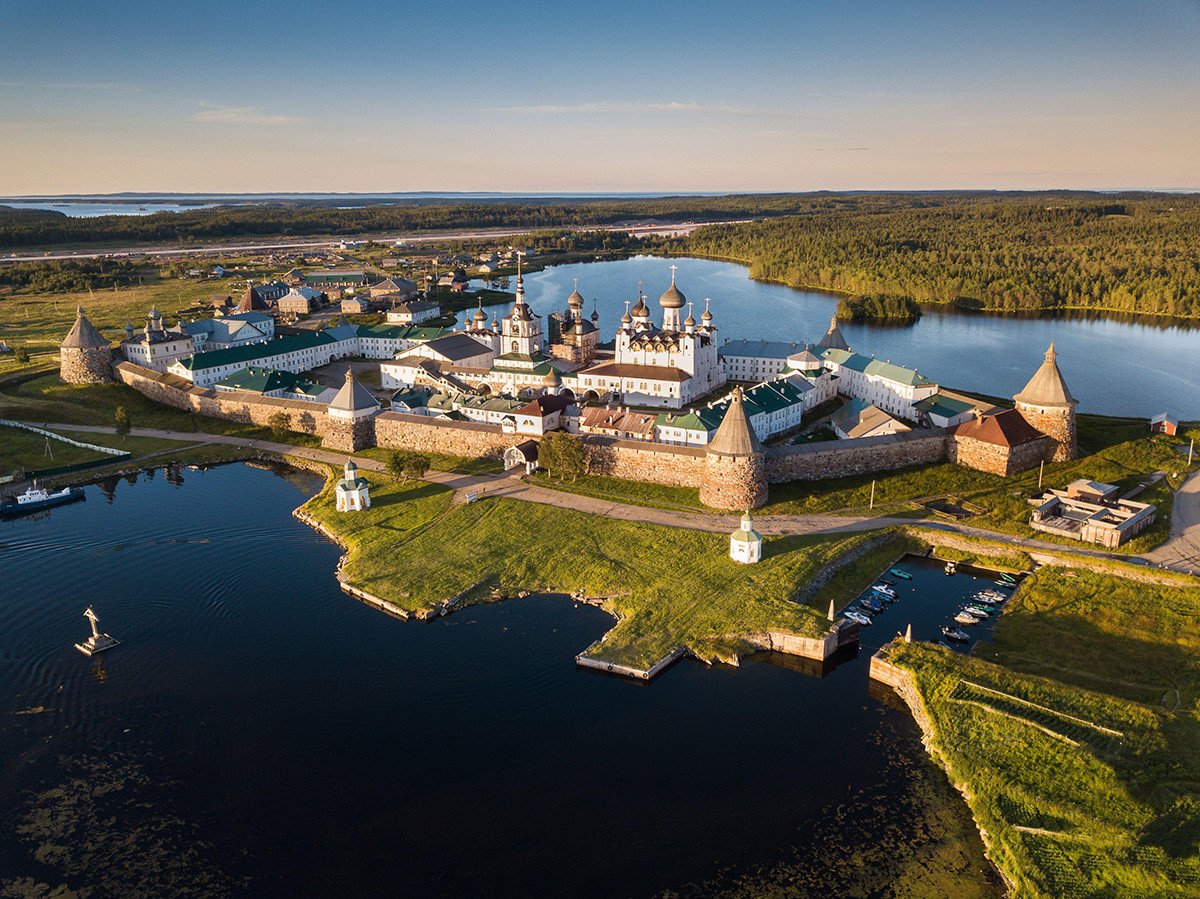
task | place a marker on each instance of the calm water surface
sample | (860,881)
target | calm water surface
(260,733)
(1112,367)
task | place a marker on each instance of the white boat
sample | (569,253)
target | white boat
(884,590)
(951,567)
(857,617)
(966,619)
(36,498)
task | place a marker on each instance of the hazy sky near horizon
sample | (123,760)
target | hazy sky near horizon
(609,96)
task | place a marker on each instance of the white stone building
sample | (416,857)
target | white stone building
(745,544)
(352,492)
(156,347)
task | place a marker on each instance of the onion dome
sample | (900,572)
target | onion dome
(595,316)
(480,316)
(689,322)
(627,319)
(706,316)
(552,379)
(575,300)
(672,298)
(641,310)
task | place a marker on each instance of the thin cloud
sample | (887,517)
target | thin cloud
(609,106)
(241,115)
(96,86)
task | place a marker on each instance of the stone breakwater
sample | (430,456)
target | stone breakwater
(904,685)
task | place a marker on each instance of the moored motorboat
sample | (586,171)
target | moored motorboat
(951,567)
(871,605)
(884,590)
(37,498)
(857,617)
(953,633)
(900,574)
(978,610)
(966,619)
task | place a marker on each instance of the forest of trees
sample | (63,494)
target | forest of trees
(24,228)
(52,277)
(1136,253)
(1014,251)
(879,307)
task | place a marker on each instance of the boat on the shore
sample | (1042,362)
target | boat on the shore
(37,498)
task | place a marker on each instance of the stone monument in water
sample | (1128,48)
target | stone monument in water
(97,642)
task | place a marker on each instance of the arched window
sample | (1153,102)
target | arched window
(514,346)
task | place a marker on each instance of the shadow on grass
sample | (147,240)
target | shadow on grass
(422,490)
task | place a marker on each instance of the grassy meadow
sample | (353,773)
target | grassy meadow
(1077,734)
(416,550)
(22,450)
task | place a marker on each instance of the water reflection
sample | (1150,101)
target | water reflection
(259,731)
(982,352)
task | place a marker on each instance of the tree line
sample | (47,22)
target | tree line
(1137,253)
(68,275)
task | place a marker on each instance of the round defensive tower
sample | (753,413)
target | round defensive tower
(1047,404)
(85,357)
(735,468)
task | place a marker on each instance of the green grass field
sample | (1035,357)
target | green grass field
(1074,809)
(416,550)
(24,450)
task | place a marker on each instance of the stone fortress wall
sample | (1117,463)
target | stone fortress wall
(725,482)
(860,455)
(247,408)
(85,365)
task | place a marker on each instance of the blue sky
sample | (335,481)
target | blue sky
(268,96)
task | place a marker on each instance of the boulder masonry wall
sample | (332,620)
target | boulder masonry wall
(863,455)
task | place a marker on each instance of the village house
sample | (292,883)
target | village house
(396,287)
(335,277)
(300,300)
(413,312)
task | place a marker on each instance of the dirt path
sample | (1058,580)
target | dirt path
(1182,551)
(1185,546)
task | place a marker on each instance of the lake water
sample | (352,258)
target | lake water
(260,733)
(1112,367)
(92,210)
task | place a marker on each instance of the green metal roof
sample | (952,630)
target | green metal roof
(250,353)
(869,366)
(945,406)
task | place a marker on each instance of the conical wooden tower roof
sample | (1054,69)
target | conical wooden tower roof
(83,334)
(1047,387)
(735,436)
(833,339)
(353,397)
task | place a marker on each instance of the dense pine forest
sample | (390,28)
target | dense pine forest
(25,228)
(1136,253)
